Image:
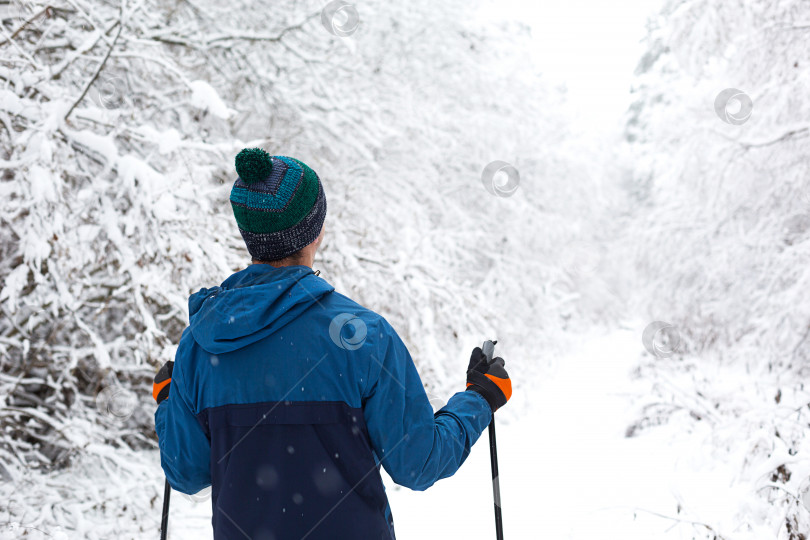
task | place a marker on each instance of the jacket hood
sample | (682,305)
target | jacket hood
(251,305)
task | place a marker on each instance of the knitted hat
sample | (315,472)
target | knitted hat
(278,203)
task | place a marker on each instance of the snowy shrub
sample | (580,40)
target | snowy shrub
(719,234)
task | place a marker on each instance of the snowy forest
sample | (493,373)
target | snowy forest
(646,282)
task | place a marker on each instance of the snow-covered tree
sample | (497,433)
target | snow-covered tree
(118,126)
(717,145)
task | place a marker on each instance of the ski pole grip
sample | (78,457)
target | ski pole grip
(489,350)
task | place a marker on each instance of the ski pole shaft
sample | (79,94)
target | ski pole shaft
(489,351)
(164,520)
(496,490)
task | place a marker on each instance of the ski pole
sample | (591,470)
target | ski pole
(164,520)
(489,351)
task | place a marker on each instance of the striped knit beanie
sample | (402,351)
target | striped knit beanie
(278,203)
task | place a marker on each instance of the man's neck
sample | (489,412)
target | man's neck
(286,262)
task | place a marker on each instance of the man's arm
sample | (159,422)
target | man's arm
(415,447)
(185,451)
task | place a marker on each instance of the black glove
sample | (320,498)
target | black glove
(163,380)
(489,379)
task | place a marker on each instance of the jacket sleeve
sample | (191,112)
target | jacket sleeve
(185,451)
(415,447)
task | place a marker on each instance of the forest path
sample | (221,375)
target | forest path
(567,469)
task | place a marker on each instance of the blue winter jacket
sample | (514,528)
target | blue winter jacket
(286,397)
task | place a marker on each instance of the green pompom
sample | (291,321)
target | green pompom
(253,165)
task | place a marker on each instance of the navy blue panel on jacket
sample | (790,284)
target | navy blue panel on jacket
(286,398)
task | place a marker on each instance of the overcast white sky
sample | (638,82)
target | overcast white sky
(592,46)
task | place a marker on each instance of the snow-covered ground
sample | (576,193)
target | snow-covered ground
(566,469)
